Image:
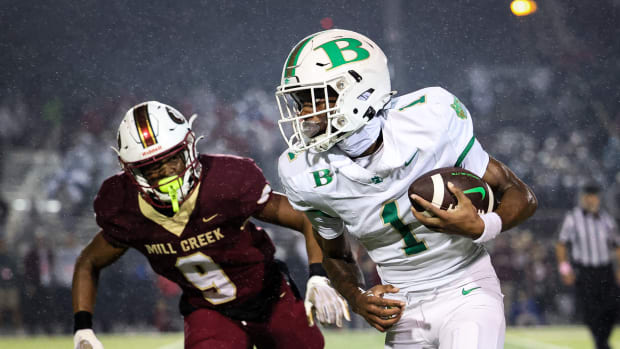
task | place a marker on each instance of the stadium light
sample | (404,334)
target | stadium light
(523,7)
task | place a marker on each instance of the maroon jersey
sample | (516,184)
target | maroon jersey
(208,247)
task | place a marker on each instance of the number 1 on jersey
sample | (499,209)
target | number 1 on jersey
(389,215)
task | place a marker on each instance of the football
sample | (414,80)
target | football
(433,187)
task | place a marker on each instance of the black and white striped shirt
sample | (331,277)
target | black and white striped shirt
(591,237)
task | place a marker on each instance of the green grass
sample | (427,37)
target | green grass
(568,337)
(571,337)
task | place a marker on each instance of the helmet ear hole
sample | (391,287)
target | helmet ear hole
(355,75)
(370,113)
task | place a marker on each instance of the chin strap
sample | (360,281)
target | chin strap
(171,185)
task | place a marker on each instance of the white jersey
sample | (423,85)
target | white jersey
(422,131)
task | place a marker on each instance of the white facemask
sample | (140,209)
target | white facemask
(362,139)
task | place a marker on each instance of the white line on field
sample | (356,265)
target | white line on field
(531,343)
(174,345)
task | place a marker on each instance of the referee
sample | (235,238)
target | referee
(591,236)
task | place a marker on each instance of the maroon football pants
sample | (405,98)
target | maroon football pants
(286,328)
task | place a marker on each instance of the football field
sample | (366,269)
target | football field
(573,337)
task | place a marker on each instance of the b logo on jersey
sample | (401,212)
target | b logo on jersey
(335,52)
(322,177)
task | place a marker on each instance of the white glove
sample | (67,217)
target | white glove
(327,304)
(85,339)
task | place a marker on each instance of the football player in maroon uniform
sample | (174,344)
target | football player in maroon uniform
(189,215)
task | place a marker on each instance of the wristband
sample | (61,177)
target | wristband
(316,269)
(492,227)
(82,320)
(564,268)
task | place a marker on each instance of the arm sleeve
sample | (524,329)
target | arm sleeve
(108,218)
(469,152)
(567,230)
(113,235)
(476,160)
(328,227)
(254,189)
(450,135)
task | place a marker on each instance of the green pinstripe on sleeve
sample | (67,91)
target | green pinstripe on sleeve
(459,161)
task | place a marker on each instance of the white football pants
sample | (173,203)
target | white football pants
(468,317)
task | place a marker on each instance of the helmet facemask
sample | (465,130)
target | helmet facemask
(338,63)
(299,132)
(172,190)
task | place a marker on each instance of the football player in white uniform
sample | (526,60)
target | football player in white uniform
(354,150)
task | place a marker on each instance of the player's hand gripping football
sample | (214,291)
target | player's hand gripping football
(381,313)
(325,302)
(85,339)
(462,220)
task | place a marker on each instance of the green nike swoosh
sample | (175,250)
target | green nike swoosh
(414,154)
(466,292)
(476,190)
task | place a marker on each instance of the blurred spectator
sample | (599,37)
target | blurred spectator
(612,197)
(38,286)
(166,306)
(611,151)
(65,256)
(503,254)
(523,263)
(254,122)
(14,117)
(9,290)
(524,311)
(543,293)
(73,183)
(4,213)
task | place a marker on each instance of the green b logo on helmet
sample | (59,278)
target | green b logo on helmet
(334,52)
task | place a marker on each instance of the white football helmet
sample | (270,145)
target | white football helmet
(334,63)
(151,132)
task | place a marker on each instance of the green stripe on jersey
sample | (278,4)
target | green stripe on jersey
(319,213)
(464,153)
